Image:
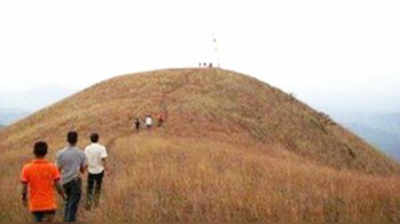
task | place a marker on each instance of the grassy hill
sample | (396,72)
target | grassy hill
(232,149)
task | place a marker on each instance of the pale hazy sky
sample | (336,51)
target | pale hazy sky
(343,49)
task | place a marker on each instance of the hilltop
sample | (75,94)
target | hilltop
(232,149)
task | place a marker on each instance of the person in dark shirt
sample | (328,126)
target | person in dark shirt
(137,124)
(160,120)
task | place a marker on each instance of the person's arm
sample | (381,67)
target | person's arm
(83,168)
(104,156)
(84,164)
(103,160)
(58,162)
(60,189)
(59,169)
(57,182)
(24,182)
(24,193)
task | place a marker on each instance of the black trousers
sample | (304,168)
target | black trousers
(93,189)
(73,190)
(39,216)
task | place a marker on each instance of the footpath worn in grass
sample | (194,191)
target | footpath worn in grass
(233,150)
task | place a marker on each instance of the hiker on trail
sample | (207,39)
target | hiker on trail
(160,120)
(148,120)
(96,154)
(72,161)
(137,124)
(41,177)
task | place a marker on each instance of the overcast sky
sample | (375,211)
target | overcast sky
(327,53)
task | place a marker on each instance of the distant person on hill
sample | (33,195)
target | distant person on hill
(148,120)
(41,177)
(72,161)
(137,124)
(96,154)
(160,120)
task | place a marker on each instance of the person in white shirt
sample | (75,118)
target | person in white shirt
(96,154)
(148,120)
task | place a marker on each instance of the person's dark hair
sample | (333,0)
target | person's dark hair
(94,137)
(40,149)
(72,137)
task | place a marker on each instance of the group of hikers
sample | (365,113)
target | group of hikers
(205,65)
(41,178)
(148,122)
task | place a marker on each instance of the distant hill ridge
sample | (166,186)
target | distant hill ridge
(8,116)
(206,103)
(380,130)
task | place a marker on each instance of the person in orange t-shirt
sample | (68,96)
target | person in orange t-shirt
(40,177)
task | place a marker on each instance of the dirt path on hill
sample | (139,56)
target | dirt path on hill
(163,101)
(84,215)
(164,107)
(113,166)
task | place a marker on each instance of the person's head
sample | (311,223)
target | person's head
(94,137)
(40,149)
(72,137)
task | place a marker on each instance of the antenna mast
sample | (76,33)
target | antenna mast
(215,51)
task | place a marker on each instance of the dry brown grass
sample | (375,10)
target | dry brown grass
(233,150)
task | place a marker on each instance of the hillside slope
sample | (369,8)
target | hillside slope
(204,103)
(232,149)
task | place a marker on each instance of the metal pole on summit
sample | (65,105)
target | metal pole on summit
(216,61)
